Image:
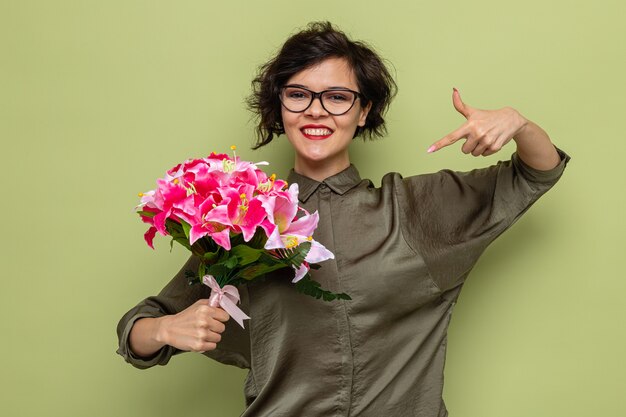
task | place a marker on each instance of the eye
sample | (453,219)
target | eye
(338,96)
(296,94)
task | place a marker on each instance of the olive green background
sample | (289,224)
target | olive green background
(99,98)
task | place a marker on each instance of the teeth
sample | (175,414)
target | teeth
(317,132)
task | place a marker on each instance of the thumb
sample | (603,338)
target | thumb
(461,107)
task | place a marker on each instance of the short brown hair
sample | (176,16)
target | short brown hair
(320,41)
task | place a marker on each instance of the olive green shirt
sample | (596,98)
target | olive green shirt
(402,252)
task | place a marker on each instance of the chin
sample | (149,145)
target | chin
(314,157)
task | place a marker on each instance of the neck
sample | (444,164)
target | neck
(320,170)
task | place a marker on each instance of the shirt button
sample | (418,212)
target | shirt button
(324,190)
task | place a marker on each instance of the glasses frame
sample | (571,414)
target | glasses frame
(318,95)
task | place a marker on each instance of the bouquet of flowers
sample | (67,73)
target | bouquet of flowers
(241,224)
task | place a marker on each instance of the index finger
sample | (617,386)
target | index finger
(221,315)
(449,139)
(217,312)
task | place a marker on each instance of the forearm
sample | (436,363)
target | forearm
(145,337)
(535,148)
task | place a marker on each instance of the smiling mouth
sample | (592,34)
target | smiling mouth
(316,133)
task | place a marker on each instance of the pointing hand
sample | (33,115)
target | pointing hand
(485,131)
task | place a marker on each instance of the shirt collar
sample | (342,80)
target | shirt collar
(340,183)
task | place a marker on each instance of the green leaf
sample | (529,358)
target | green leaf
(211,257)
(201,270)
(219,271)
(146,213)
(175,230)
(313,288)
(186,228)
(259,269)
(231,262)
(295,256)
(246,254)
(258,240)
(183,241)
(271,260)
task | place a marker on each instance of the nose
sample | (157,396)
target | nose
(316,109)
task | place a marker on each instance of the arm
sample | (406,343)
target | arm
(534,147)
(487,131)
(180,319)
(449,218)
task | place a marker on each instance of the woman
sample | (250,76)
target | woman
(403,251)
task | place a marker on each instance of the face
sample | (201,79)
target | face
(320,139)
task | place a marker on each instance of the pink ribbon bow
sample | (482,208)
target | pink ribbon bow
(226,297)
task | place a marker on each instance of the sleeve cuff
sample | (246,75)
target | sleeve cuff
(161,357)
(539,176)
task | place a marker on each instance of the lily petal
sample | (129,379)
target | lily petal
(149,236)
(274,241)
(318,253)
(197,232)
(222,238)
(305,225)
(253,218)
(300,272)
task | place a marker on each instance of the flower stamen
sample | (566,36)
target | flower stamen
(291,242)
(267,186)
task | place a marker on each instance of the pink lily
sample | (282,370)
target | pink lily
(213,221)
(167,194)
(290,233)
(245,215)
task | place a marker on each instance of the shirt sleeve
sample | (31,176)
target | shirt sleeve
(233,348)
(450,217)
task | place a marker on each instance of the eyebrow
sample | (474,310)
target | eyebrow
(339,87)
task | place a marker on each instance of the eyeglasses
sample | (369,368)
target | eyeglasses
(336,101)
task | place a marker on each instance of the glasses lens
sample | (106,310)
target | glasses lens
(338,101)
(295,99)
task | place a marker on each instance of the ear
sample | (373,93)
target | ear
(363,114)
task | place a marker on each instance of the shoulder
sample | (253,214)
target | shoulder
(396,183)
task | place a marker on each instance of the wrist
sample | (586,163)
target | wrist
(524,127)
(161,334)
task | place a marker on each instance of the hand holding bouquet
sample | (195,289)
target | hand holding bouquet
(241,223)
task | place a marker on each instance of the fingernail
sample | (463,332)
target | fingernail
(431,149)
(455,90)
